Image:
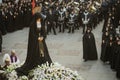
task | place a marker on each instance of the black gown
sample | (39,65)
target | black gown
(27,15)
(114,56)
(10,18)
(2,25)
(118,62)
(33,53)
(105,49)
(0,41)
(19,19)
(16,20)
(89,47)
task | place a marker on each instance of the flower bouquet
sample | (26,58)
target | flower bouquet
(53,71)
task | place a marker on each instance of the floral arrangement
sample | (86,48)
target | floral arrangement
(54,71)
(11,74)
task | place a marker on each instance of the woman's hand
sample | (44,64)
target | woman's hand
(40,38)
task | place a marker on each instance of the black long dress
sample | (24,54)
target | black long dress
(118,62)
(0,41)
(89,47)
(34,57)
(10,18)
(114,56)
(105,48)
(2,25)
(27,15)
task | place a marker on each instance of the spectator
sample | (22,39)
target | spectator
(6,60)
(14,58)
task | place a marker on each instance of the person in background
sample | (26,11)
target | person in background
(85,20)
(6,61)
(14,58)
(89,46)
(118,60)
(37,52)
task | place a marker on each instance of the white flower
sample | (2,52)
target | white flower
(24,78)
(45,72)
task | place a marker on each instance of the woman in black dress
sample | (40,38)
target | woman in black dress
(37,53)
(89,46)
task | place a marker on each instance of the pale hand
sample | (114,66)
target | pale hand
(40,38)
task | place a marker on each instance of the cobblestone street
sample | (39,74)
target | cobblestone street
(64,48)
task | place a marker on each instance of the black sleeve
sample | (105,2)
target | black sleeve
(0,37)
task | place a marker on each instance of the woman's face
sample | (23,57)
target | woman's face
(106,33)
(106,28)
(110,14)
(111,27)
(38,23)
(7,62)
(117,38)
(111,38)
(113,8)
(88,31)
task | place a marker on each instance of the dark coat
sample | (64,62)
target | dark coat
(118,62)
(89,47)
(105,49)
(33,53)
